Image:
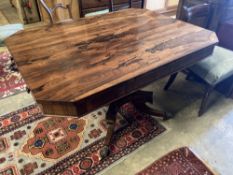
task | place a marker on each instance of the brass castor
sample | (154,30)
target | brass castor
(104,152)
(167,116)
(13,67)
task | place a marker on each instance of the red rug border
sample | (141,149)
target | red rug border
(23,85)
(21,123)
(176,150)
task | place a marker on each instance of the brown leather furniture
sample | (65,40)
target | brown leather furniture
(194,12)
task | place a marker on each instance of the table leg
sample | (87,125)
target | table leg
(111,121)
(139,100)
(142,107)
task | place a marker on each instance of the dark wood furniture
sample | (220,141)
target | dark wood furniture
(75,68)
(193,12)
(219,11)
(113,5)
(51,10)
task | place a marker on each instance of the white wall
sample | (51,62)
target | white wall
(155,4)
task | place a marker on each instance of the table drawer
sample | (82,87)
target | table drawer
(137,4)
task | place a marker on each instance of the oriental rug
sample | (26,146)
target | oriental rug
(179,162)
(31,143)
(11,82)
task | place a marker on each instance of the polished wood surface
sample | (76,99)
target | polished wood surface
(88,64)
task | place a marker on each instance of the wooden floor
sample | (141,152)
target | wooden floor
(8,14)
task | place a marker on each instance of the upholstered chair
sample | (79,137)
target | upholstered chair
(215,68)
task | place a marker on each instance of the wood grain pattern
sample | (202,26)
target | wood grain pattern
(88,63)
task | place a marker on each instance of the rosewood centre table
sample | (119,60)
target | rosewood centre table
(74,68)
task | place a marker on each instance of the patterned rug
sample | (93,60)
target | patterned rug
(33,144)
(179,162)
(10,82)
